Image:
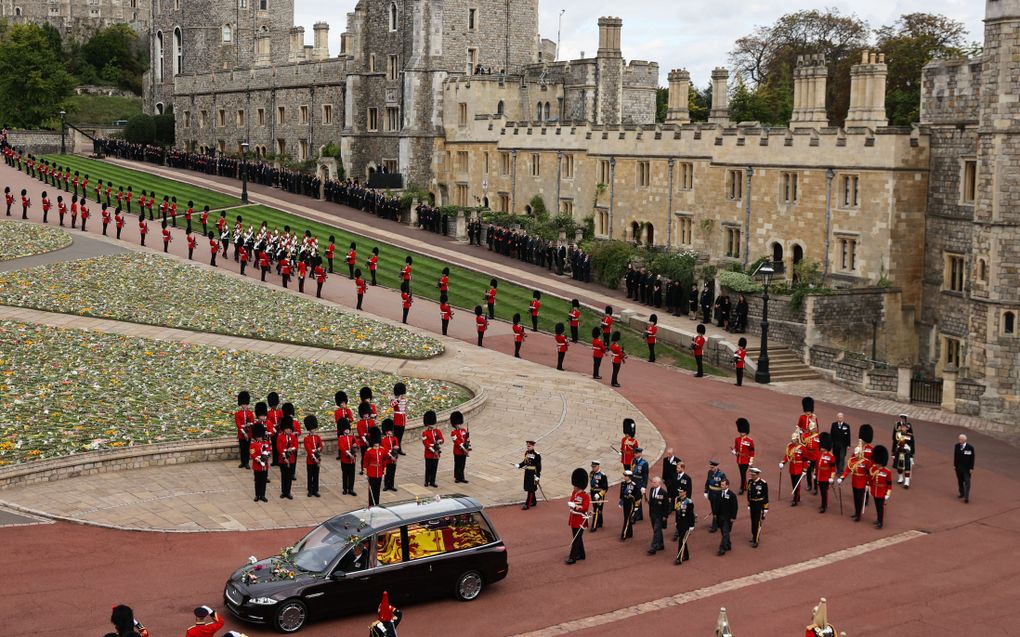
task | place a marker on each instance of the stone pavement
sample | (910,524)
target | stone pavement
(522,400)
(81,247)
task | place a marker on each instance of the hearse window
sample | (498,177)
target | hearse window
(357,559)
(319,548)
(446,534)
(388,547)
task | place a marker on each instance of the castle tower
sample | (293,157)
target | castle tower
(809,80)
(320,51)
(677,109)
(867,91)
(720,113)
(609,69)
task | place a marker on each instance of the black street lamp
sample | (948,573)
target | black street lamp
(761,375)
(63,148)
(244,173)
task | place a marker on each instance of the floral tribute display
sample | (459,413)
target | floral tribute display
(67,391)
(156,290)
(25,239)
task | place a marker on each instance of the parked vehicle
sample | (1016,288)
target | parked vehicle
(413,549)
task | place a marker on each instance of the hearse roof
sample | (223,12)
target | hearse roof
(408,511)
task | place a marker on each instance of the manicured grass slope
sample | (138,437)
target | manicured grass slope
(466,286)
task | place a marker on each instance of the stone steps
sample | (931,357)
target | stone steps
(784,365)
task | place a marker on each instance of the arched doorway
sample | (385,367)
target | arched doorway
(485,202)
(635,231)
(527,210)
(777,252)
(798,256)
(649,234)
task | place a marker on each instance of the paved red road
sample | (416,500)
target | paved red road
(942,583)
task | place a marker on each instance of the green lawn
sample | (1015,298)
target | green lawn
(466,286)
(101,109)
(140,181)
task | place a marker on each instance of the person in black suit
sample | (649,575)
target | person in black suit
(839,433)
(963,462)
(669,465)
(724,508)
(658,512)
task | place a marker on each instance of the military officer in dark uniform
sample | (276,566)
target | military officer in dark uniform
(599,486)
(683,483)
(713,487)
(725,511)
(658,512)
(669,466)
(629,495)
(532,465)
(684,508)
(639,467)
(757,503)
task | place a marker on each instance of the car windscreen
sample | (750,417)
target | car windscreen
(324,544)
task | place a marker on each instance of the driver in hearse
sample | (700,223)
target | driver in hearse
(356,560)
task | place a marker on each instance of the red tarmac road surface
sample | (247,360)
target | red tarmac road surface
(61,579)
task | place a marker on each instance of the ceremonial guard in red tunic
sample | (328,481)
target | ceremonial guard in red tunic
(825,470)
(461,446)
(794,456)
(628,443)
(880,482)
(286,451)
(244,418)
(743,449)
(399,406)
(375,465)
(391,445)
(432,442)
(313,454)
(579,502)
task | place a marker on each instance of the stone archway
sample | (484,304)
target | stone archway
(649,234)
(635,231)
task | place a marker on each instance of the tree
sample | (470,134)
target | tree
(910,43)
(699,103)
(118,55)
(768,55)
(33,80)
(661,104)
(141,129)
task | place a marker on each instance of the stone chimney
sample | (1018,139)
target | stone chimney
(320,51)
(677,111)
(609,37)
(867,92)
(720,113)
(297,44)
(263,48)
(809,80)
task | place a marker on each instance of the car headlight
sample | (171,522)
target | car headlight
(264,601)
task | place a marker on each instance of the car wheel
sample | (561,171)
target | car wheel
(291,616)
(469,586)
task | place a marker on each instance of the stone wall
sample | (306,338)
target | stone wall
(787,325)
(78,20)
(37,142)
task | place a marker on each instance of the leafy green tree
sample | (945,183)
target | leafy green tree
(118,55)
(165,133)
(141,129)
(910,43)
(661,104)
(699,103)
(33,80)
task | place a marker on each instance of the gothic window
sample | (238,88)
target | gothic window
(538,112)
(952,274)
(733,242)
(159,108)
(851,197)
(159,56)
(178,51)
(500,107)
(969,182)
(1009,323)
(228,34)
(734,185)
(393,16)
(547,112)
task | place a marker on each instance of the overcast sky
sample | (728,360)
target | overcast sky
(675,33)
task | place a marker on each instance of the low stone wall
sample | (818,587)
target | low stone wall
(36,142)
(787,325)
(884,381)
(968,397)
(170,453)
(860,375)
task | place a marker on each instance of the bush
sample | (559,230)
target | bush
(739,282)
(609,260)
(676,266)
(538,209)
(140,129)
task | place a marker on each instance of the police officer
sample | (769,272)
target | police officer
(757,503)
(598,485)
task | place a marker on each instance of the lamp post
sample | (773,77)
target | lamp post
(244,173)
(761,375)
(63,148)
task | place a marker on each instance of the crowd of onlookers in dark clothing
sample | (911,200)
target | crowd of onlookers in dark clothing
(555,256)
(678,299)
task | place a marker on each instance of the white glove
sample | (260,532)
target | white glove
(706,496)
(782,464)
(537,479)
(596,497)
(839,482)
(887,496)
(572,505)
(210,611)
(733,451)
(831,479)
(643,490)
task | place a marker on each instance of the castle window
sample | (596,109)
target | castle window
(260,116)
(462,161)
(281,147)
(462,114)
(472,61)
(393,16)
(241,3)
(221,118)
(644,174)
(228,34)
(982,271)
(263,5)
(159,56)
(851,191)
(462,195)
(548,112)
(302,149)
(603,223)
(485,162)
(685,227)
(240,117)
(604,171)
(790,188)
(391,68)
(281,114)
(567,207)
(968,182)
(504,202)
(848,254)
(568,166)
(500,108)
(159,108)
(538,112)
(187,119)
(734,185)
(304,114)
(686,175)
(536,165)
(17,11)
(178,51)
(504,164)
(177,5)
(390,166)
(371,62)
(392,118)
(203,118)
(373,119)
(327,114)
(952,274)
(733,242)
(472,19)
(951,350)
(1008,323)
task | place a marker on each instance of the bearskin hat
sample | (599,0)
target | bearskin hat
(258,430)
(399,389)
(287,422)
(866,433)
(880,455)
(387,425)
(446,271)
(742,342)
(261,410)
(364,410)
(288,409)
(536,294)
(609,310)
(579,478)
(743,426)
(408,260)
(596,332)
(374,436)
(807,403)
(629,428)
(456,418)
(478,310)
(343,424)
(654,318)
(517,317)
(123,618)
(825,440)
(311,422)
(243,398)
(365,393)
(559,328)
(273,399)
(575,303)
(701,328)
(429,418)
(340,398)
(493,283)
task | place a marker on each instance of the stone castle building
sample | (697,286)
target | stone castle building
(77,20)
(411,91)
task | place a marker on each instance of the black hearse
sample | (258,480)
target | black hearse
(413,549)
